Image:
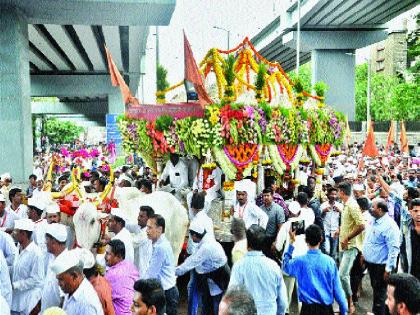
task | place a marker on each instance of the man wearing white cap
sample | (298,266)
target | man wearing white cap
(359,190)
(116,224)
(81,297)
(35,209)
(208,258)
(28,270)
(16,205)
(7,217)
(6,181)
(53,213)
(55,236)
(245,207)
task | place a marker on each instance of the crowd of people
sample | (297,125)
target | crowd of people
(317,233)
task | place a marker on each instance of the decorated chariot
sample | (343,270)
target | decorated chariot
(259,121)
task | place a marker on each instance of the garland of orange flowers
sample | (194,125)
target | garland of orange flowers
(242,155)
(244,63)
(247,42)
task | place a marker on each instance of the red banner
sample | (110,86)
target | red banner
(152,111)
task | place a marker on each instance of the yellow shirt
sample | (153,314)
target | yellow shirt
(351,217)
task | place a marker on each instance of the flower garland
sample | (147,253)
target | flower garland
(320,153)
(234,124)
(227,167)
(240,152)
(280,161)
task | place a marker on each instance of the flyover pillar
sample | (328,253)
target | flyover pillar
(333,60)
(115,103)
(336,68)
(15,105)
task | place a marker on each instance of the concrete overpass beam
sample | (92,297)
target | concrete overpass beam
(15,107)
(77,85)
(333,39)
(86,108)
(337,69)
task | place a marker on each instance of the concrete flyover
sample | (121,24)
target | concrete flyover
(331,31)
(56,48)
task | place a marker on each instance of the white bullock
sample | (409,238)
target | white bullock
(87,220)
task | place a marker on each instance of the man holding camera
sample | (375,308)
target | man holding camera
(316,274)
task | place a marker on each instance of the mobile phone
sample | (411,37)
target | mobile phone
(298,227)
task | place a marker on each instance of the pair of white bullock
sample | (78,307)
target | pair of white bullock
(87,220)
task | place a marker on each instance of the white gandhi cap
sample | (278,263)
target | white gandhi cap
(197,227)
(25,225)
(37,203)
(57,231)
(52,208)
(65,261)
(118,213)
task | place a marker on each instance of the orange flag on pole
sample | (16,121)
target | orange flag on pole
(390,140)
(193,75)
(118,80)
(403,139)
(370,148)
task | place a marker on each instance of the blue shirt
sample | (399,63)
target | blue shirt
(263,279)
(317,277)
(162,264)
(382,242)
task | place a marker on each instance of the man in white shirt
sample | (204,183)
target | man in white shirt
(6,182)
(116,225)
(246,209)
(81,298)
(55,235)
(200,218)
(142,245)
(35,209)
(16,205)
(177,172)
(28,270)
(7,246)
(331,210)
(7,216)
(6,285)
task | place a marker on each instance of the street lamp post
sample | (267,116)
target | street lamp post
(368,94)
(298,42)
(228,34)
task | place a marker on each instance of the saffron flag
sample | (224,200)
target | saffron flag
(390,140)
(193,75)
(118,80)
(403,139)
(370,148)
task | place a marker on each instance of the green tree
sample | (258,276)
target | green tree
(391,98)
(405,101)
(360,91)
(60,132)
(413,51)
(305,76)
(382,91)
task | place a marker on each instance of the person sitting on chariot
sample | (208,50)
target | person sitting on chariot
(174,176)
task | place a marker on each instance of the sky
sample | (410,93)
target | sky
(198,18)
